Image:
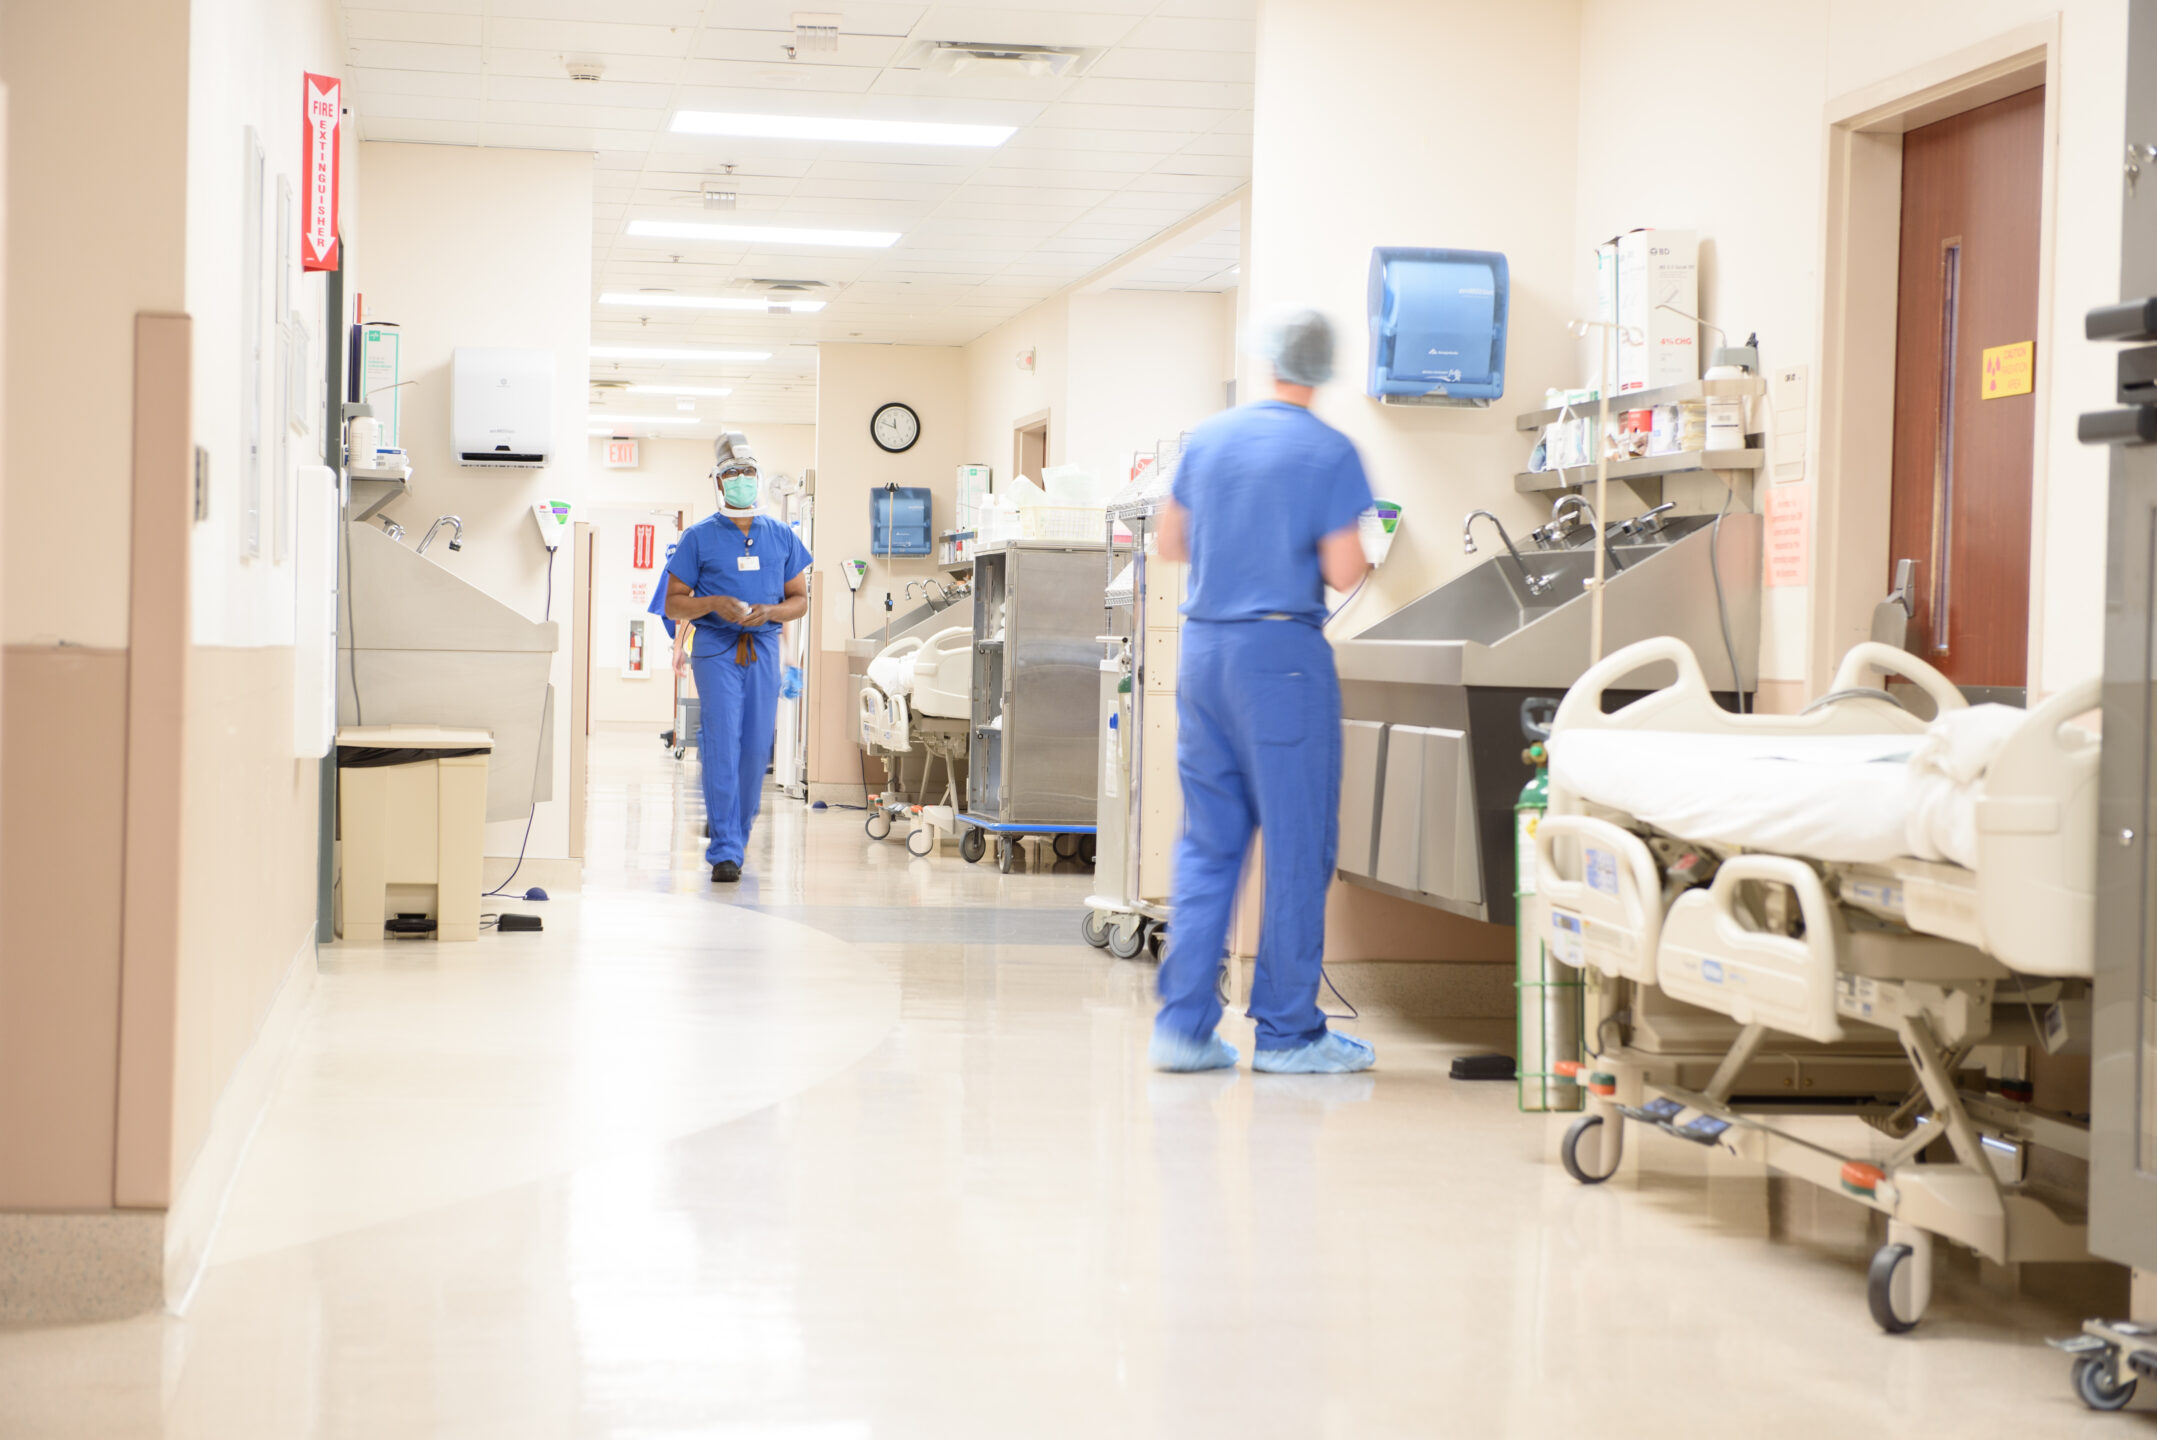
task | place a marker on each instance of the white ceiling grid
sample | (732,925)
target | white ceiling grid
(1155,129)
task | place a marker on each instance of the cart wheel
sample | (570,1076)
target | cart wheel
(972,845)
(2093,1383)
(1126,940)
(1067,846)
(681,752)
(1006,851)
(1890,1312)
(1093,929)
(1157,941)
(878,825)
(1582,1167)
(921,843)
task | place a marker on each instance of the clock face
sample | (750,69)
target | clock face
(895,427)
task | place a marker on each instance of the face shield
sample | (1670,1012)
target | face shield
(737,485)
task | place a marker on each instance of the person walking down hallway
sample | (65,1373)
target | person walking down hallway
(1265,506)
(738,575)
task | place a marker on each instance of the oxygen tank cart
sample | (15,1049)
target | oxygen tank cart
(1549,995)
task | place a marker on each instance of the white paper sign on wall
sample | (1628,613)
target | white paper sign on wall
(621,454)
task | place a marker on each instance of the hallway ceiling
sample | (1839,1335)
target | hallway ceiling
(1149,124)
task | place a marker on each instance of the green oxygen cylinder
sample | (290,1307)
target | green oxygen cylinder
(1546,991)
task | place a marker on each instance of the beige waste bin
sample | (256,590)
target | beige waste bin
(411,834)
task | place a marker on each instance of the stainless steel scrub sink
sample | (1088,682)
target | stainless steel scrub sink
(1432,695)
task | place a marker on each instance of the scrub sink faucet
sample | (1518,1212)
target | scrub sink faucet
(1537,584)
(456,538)
(1595,526)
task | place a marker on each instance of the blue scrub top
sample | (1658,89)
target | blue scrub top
(1262,485)
(709,560)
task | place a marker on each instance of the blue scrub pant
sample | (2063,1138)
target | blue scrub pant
(1258,746)
(738,711)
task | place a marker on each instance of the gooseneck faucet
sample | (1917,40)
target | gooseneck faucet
(1595,525)
(456,538)
(1537,584)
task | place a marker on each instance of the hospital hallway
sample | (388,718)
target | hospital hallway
(870,1149)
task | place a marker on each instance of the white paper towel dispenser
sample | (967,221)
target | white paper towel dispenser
(502,407)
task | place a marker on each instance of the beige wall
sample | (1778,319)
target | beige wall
(852,381)
(1350,117)
(1000,394)
(482,247)
(1145,365)
(1755,188)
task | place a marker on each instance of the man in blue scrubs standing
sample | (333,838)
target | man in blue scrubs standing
(1265,506)
(739,575)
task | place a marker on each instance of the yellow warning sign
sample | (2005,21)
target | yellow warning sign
(2008,369)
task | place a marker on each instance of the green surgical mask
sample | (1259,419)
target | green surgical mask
(739,490)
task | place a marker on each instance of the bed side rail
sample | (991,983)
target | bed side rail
(2037,841)
(1600,895)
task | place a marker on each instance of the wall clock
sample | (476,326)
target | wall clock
(894,427)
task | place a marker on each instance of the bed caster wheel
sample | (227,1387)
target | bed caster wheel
(921,843)
(878,825)
(1127,938)
(1582,1153)
(681,752)
(972,846)
(1156,941)
(1093,929)
(2094,1385)
(1067,846)
(1006,852)
(1895,1291)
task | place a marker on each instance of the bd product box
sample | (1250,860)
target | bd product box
(1654,269)
(973,488)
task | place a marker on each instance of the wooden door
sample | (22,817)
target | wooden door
(1961,503)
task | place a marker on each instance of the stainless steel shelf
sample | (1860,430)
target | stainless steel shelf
(1646,467)
(1677,394)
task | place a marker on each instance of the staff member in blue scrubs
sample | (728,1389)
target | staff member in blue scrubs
(739,575)
(1264,506)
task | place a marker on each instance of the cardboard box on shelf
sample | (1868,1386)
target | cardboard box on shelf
(1661,347)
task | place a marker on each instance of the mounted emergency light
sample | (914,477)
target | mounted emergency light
(1437,326)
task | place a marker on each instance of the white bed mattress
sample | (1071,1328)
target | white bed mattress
(1852,798)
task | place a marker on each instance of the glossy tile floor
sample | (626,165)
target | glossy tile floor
(868,1148)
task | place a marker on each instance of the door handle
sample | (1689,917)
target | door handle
(1891,617)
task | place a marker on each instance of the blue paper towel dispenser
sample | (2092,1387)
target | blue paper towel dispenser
(1437,325)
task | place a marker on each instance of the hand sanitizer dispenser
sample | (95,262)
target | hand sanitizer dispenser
(1438,322)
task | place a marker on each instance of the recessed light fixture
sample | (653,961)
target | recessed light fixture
(761,234)
(713,302)
(620,420)
(816,127)
(674,352)
(717,392)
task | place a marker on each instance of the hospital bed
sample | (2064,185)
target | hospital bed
(1782,893)
(916,705)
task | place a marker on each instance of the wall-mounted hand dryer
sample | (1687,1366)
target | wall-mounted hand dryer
(501,407)
(1437,326)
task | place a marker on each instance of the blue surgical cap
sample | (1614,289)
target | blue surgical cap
(1298,343)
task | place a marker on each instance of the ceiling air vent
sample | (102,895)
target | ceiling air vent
(815,33)
(588,72)
(967,57)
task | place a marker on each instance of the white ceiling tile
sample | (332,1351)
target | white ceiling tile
(405,55)
(769,47)
(551,65)
(1236,167)
(1150,94)
(1038,90)
(740,84)
(559,89)
(1179,34)
(429,27)
(459,7)
(419,132)
(1210,9)
(1007,25)
(589,37)
(1220,144)
(678,13)
(857,17)
(1174,67)
(365,83)
(419,107)
(1162,125)
(604,117)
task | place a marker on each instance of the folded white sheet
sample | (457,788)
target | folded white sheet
(893,674)
(1851,798)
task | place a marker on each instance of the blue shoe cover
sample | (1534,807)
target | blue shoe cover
(1329,1054)
(1185,1052)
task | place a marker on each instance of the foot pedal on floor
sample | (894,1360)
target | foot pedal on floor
(1701,1129)
(1659,1111)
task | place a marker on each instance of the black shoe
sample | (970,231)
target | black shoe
(726,872)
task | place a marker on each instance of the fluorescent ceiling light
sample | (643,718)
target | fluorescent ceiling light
(811,127)
(712,302)
(713,390)
(617,421)
(761,234)
(674,352)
